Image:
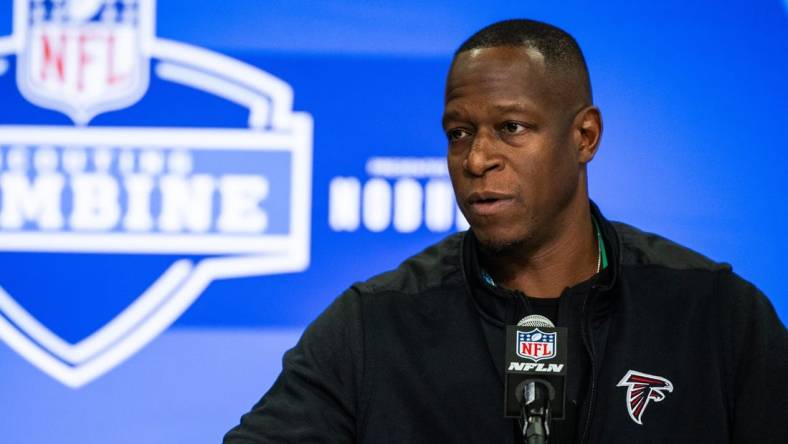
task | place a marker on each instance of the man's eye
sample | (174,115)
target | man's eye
(513,127)
(456,134)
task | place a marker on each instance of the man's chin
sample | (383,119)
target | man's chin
(499,244)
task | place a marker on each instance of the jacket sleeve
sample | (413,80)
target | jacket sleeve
(315,398)
(759,343)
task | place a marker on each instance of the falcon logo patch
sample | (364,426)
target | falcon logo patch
(643,388)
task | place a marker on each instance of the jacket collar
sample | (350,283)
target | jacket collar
(613,246)
(503,306)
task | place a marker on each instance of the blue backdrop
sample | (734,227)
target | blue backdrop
(152,333)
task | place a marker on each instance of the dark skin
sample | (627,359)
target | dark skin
(521,134)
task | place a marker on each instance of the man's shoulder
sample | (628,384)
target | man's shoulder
(641,248)
(437,266)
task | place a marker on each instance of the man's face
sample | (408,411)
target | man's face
(513,154)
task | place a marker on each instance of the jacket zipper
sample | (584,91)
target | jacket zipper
(589,347)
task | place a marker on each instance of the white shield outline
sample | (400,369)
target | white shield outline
(269,101)
(534,359)
(81,115)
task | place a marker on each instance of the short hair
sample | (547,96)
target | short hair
(560,50)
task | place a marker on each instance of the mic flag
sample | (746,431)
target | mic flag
(535,349)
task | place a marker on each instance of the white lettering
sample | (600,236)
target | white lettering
(45,160)
(126,161)
(410,206)
(392,167)
(186,203)
(240,204)
(343,203)
(439,205)
(17,159)
(96,203)
(180,162)
(377,205)
(102,159)
(152,162)
(407,205)
(138,190)
(74,160)
(534,367)
(39,201)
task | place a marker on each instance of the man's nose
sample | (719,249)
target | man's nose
(483,156)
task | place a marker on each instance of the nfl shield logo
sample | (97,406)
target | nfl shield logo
(151,215)
(83,57)
(536,345)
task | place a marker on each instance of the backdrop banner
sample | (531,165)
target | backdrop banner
(185,185)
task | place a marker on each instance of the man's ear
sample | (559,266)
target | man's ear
(588,129)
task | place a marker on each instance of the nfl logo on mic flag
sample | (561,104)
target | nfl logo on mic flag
(173,207)
(535,353)
(536,345)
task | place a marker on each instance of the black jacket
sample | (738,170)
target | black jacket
(404,357)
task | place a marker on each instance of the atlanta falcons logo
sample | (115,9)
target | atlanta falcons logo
(642,388)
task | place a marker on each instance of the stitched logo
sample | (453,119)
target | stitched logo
(643,388)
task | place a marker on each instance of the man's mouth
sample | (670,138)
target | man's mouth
(488,203)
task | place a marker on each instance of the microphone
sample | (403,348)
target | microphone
(535,376)
(534,396)
(535,321)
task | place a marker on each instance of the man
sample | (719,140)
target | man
(417,354)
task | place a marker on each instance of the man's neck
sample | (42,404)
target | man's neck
(568,258)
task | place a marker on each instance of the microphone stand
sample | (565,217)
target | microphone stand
(535,417)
